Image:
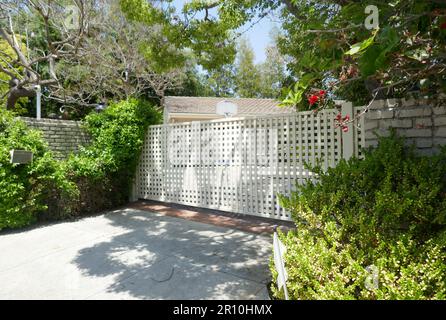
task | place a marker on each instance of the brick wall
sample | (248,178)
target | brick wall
(421,122)
(62,136)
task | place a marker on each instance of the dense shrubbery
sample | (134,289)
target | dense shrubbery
(105,169)
(97,178)
(387,211)
(25,188)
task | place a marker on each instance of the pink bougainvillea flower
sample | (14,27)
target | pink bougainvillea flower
(338,117)
(313,99)
(341,122)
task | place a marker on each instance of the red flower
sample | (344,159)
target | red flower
(338,117)
(443,25)
(313,99)
(341,122)
(322,93)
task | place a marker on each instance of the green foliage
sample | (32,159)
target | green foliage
(7,51)
(322,267)
(221,81)
(104,170)
(294,97)
(24,188)
(245,78)
(247,74)
(361,46)
(263,80)
(273,71)
(208,39)
(329,39)
(118,135)
(388,210)
(97,178)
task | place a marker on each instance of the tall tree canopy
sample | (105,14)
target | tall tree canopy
(328,42)
(57,38)
(81,52)
(331,47)
(273,72)
(247,78)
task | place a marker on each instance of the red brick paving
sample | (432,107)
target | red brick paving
(241,222)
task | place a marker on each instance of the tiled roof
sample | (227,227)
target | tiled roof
(207,105)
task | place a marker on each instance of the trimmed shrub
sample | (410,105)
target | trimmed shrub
(385,213)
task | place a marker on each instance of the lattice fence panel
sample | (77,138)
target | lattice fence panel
(238,165)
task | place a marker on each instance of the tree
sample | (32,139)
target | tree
(221,80)
(110,60)
(207,37)
(118,64)
(5,62)
(207,29)
(62,40)
(247,78)
(273,74)
(330,46)
(327,41)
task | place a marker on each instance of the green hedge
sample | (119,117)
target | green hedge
(96,179)
(24,188)
(104,170)
(386,211)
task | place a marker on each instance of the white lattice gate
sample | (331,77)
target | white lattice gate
(238,165)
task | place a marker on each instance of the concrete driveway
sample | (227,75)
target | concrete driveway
(133,254)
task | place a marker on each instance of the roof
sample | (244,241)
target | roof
(207,105)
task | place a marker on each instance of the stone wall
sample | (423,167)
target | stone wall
(62,136)
(421,122)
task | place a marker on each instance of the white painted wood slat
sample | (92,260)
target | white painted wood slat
(238,164)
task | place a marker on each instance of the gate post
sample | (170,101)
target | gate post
(134,188)
(348,138)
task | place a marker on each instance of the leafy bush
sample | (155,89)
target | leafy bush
(24,188)
(97,178)
(386,211)
(104,170)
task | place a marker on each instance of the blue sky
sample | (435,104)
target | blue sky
(258,35)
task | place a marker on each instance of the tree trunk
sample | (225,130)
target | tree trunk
(16,93)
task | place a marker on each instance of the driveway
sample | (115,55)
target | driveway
(133,254)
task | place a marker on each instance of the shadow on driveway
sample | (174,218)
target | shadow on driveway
(132,254)
(160,257)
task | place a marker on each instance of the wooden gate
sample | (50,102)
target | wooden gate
(240,165)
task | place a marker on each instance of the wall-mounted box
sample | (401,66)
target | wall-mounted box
(21,156)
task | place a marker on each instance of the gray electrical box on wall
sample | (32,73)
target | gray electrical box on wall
(21,156)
